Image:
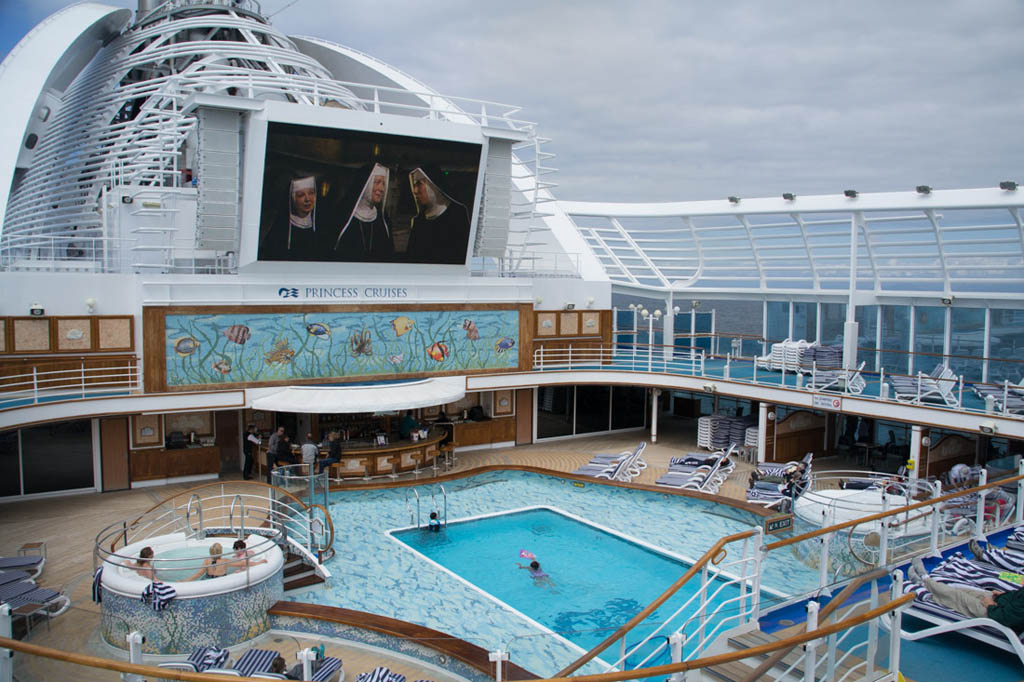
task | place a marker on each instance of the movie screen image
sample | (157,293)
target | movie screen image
(349,196)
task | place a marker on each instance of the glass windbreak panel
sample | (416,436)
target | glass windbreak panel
(896,337)
(967,342)
(737,320)
(10,479)
(592,408)
(554,411)
(929,337)
(1006,346)
(805,321)
(867,336)
(833,318)
(628,407)
(57,456)
(778,321)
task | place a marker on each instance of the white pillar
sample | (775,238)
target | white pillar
(655,392)
(915,451)
(850,330)
(135,640)
(497,657)
(762,432)
(306,657)
(668,331)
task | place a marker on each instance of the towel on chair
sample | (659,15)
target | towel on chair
(158,594)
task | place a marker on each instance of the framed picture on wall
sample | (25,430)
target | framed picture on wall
(146,430)
(187,422)
(432,411)
(503,405)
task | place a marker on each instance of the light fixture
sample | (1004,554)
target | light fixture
(947,301)
(1008,185)
(926,442)
(570,306)
(644,313)
(657,313)
(850,193)
(771,416)
(675,309)
(709,388)
(987,427)
(788,196)
(734,200)
(590,301)
(694,304)
(632,306)
(36,310)
(90,305)
(923,189)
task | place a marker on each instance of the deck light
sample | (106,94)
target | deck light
(709,388)
(570,306)
(947,300)
(1008,185)
(36,310)
(734,200)
(988,427)
(788,196)
(90,305)
(923,189)
(850,193)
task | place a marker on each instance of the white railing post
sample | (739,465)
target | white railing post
(306,657)
(896,625)
(622,651)
(83,379)
(6,655)
(703,613)
(35,385)
(979,523)
(570,356)
(497,656)
(811,647)
(872,635)
(755,588)
(135,640)
(823,564)
(933,544)
(675,643)
(883,543)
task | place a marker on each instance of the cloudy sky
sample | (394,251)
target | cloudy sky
(677,100)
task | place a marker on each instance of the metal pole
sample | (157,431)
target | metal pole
(497,657)
(883,542)
(979,523)
(306,657)
(811,647)
(896,624)
(872,634)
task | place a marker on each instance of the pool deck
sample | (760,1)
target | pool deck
(70,524)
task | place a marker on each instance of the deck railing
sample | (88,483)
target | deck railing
(91,378)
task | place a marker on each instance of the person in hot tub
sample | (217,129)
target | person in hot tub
(214,567)
(243,556)
(144,564)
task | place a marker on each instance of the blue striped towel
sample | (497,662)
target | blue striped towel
(97,584)
(158,595)
(378,674)
(208,657)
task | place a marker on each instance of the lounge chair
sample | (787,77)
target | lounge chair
(848,380)
(1008,397)
(777,469)
(13,576)
(252,661)
(327,669)
(31,563)
(636,452)
(939,386)
(624,468)
(703,479)
(201,659)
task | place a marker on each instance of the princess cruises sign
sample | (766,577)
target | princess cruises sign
(349,293)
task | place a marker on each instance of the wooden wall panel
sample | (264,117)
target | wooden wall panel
(114,453)
(67,334)
(524,416)
(799,433)
(947,453)
(63,371)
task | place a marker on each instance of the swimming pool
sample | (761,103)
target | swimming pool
(596,578)
(373,573)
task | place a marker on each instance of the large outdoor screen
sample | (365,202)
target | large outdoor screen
(350,196)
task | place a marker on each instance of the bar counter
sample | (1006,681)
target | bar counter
(364,458)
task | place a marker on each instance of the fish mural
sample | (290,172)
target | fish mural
(281,354)
(438,351)
(402,325)
(258,348)
(186,346)
(360,343)
(237,333)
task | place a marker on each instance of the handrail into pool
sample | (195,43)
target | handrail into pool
(619,676)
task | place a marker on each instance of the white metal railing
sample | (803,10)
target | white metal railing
(622,357)
(17,390)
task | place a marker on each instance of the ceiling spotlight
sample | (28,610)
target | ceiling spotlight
(987,427)
(788,196)
(1008,185)
(923,189)
(570,306)
(734,200)
(850,193)
(947,301)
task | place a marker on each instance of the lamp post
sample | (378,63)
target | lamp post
(650,317)
(636,309)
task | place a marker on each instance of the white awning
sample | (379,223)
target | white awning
(404,395)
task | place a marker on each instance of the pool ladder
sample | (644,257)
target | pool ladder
(433,501)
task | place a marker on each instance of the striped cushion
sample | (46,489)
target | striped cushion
(13,577)
(39,595)
(396,677)
(328,666)
(208,657)
(255,661)
(20,561)
(12,590)
(378,674)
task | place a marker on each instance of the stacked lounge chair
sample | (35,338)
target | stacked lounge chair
(822,357)
(718,431)
(700,472)
(786,355)
(939,386)
(1008,397)
(624,466)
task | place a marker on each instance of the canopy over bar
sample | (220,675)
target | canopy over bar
(405,395)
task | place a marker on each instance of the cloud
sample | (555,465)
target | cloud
(670,100)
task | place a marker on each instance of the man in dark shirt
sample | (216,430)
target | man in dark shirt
(1005,608)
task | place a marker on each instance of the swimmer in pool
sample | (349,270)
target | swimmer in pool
(537,573)
(214,567)
(144,564)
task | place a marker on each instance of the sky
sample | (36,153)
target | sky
(679,100)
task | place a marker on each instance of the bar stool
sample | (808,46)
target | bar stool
(448,449)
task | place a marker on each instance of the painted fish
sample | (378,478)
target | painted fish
(318,329)
(504,344)
(360,343)
(223,365)
(237,333)
(396,359)
(186,346)
(471,330)
(438,351)
(281,353)
(401,325)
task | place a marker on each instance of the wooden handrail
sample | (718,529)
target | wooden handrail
(824,613)
(653,606)
(891,512)
(621,676)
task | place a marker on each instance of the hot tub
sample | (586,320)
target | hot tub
(224,610)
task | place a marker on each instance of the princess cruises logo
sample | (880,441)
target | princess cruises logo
(286,292)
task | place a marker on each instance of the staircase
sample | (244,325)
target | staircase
(740,670)
(298,574)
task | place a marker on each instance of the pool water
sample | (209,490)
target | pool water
(598,580)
